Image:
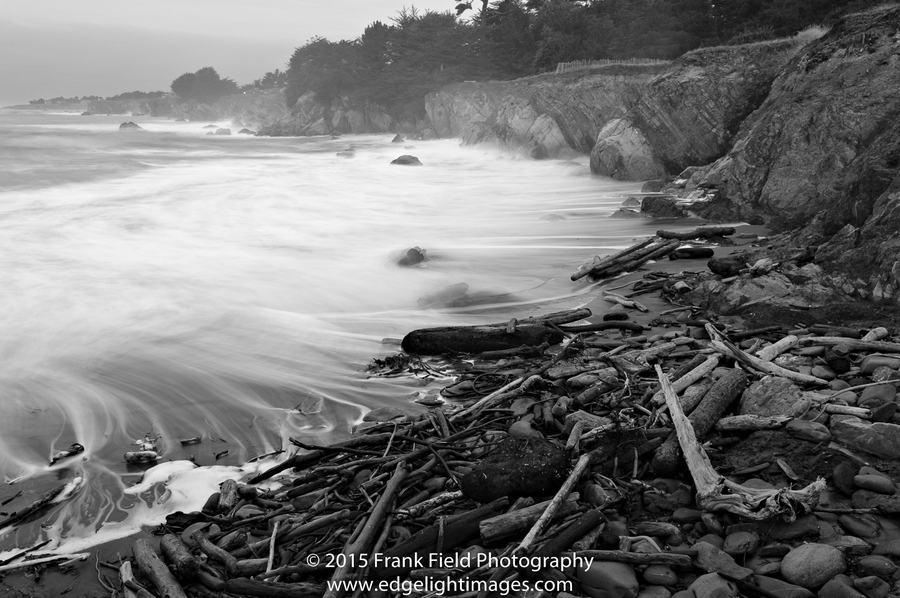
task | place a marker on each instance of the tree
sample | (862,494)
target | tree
(204,85)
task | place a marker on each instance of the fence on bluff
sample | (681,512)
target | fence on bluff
(574,65)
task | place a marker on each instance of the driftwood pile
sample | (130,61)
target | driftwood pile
(580,457)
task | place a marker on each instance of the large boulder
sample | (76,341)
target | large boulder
(622,152)
(407,160)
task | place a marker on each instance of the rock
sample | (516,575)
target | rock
(876,483)
(879,566)
(811,565)
(628,213)
(727,265)
(685,515)
(632,202)
(872,587)
(824,372)
(605,579)
(850,545)
(840,587)
(711,559)
(843,477)
(130,126)
(651,592)
(660,575)
(407,160)
(891,548)
(662,207)
(802,527)
(870,363)
(87,113)
(861,526)
(866,499)
(397,139)
(740,544)
(879,439)
(807,430)
(413,255)
(773,395)
(452,295)
(782,589)
(876,396)
(384,414)
(622,152)
(246,131)
(517,467)
(223,131)
(522,429)
(713,586)
(652,187)
(884,413)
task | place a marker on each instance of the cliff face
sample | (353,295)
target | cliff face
(821,154)
(545,115)
(309,117)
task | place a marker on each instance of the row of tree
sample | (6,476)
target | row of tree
(396,64)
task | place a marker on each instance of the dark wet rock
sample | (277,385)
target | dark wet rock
(876,396)
(223,131)
(807,430)
(615,316)
(517,467)
(803,527)
(448,296)
(87,113)
(130,126)
(211,127)
(632,202)
(413,256)
(773,395)
(712,559)
(861,526)
(654,186)
(879,566)
(876,483)
(628,213)
(870,363)
(782,589)
(866,499)
(872,586)
(397,139)
(246,131)
(727,265)
(739,544)
(711,585)
(605,579)
(843,477)
(407,160)
(840,587)
(662,207)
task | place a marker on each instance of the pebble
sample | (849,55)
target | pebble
(523,429)
(870,363)
(782,589)
(804,526)
(876,396)
(885,412)
(713,539)
(861,526)
(807,430)
(843,477)
(877,565)
(654,592)
(840,588)
(891,548)
(604,579)
(660,575)
(709,558)
(850,545)
(711,585)
(824,372)
(741,543)
(712,523)
(876,483)
(812,565)
(872,587)
(774,550)
(685,515)
(866,499)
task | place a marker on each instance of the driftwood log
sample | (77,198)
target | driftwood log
(156,571)
(698,233)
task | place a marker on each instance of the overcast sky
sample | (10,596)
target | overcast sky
(51,48)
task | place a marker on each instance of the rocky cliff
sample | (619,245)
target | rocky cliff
(821,155)
(310,117)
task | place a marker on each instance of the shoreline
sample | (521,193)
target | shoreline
(51,578)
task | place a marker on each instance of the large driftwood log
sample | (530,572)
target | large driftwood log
(627,260)
(681,384)
(852,344)
(726,348)
(752,503)
(692,253)
(155,570)
(697,233)
(748,423)
(476,339)
(715,402)
(564,540)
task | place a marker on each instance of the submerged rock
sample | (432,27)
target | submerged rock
(407,160)
(130,126)
(413,256)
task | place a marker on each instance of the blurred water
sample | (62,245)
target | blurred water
(172,283)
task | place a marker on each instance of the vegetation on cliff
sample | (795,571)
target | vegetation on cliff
(395,65)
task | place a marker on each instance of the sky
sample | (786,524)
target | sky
(51,48)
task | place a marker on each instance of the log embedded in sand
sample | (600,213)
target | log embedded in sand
(599,263)
(627,260)
(502,526)
(476,339)
(692,253)
(180,558)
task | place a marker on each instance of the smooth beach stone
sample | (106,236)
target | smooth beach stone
(655,592)
(802,527)
(758,484)
(824,372)
(879,439)
(685,515)
(774,550)
(870,363)
(840,587)
(876,396)
(884,413)
(811,565)
(866,499)
(606,579)
(523,429)
(781,588)
(876,483)
(772,396)
(808,430)
(878,565)
(843,477)
(838,385)
(713,525)
(717,541)
(850,545)
(890,548)
(712,585)
(660,575)
(883,373)
(764,567)
(872,587)
(709,558)
(741,543)
(862,526)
